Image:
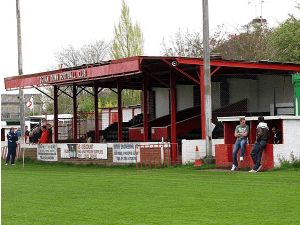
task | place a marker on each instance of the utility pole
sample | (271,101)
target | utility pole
(207,83)
(20,67)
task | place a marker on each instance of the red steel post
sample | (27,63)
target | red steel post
(141,156)
(145,109)
(120,117)
(202,94)
(74,113)
(153,151)
(159,156)
(96,112)
(150,161)
(173,111)
(145,154)
(55,114)
(136,163)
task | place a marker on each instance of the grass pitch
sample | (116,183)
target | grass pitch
(64,194)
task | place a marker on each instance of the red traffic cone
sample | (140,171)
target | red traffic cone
(197,158)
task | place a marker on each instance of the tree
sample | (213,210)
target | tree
(285,43)
(186,44)
(128,39)
(94,52)
(250,43)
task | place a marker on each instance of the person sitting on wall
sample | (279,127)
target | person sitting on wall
(262,134)
(241,133)
(45,138)
(277,135)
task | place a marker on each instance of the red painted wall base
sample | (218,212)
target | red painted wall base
(223,154)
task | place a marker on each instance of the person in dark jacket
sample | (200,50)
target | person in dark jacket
(12,138)
(262,134)
(277,135)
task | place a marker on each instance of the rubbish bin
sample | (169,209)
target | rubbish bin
(296,83)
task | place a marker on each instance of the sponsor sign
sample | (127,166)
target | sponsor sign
(47,152)
(84,151)
(92,151)
(125,153)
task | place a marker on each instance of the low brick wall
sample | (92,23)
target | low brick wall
(224,157)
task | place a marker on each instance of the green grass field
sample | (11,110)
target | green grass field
(64,194)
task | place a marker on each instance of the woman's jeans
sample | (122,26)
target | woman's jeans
(239,144)
(256,153)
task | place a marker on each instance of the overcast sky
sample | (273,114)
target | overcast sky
(47,26)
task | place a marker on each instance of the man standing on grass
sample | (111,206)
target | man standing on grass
(12,138)
(262,134)
(241,133)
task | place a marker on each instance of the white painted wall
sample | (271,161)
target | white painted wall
(185,97)
(284,91)
(126,115)
(215,95)
(162,101)
(291,142)
(240,89)
(189,149)
(259,93)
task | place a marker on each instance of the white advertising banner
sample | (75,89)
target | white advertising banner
(84,151)
(125,153)
(92,151)
(47,152)
(64,151)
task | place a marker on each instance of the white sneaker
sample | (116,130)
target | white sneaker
(259,168)
(233,168)
(241,158)
(13,164)
(253,171)
(6,164)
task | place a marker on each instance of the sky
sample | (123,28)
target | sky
(48,26)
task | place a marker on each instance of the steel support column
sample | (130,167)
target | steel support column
(145,109)
(202,100)
(55,106)
(173,112)
(74,113)
(96,112)
(120,116)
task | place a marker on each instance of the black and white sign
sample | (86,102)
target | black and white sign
(125,153)
(47,152)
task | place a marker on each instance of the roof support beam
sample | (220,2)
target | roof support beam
(181,71)
(44,93)
(168,86)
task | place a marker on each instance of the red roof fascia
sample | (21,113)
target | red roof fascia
(243,64)
(117,67)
